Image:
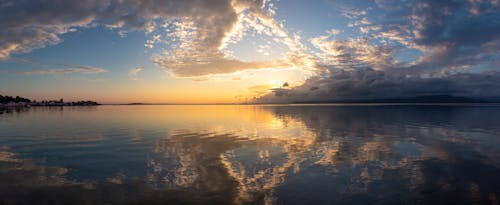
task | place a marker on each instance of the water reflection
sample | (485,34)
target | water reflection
(252,155)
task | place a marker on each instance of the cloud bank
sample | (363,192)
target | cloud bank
(450,39)
(366,84)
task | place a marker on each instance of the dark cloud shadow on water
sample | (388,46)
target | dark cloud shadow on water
(354,155)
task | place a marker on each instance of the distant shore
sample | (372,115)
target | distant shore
(18,102)
(67,104)
(11,102)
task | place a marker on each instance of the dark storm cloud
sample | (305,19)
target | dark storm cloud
(451,36)
(449,33)
(456,33)
(365,84)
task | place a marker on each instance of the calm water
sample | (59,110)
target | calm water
(396,154)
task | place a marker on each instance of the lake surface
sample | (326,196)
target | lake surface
(302,154)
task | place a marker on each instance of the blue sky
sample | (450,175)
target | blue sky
(198,51)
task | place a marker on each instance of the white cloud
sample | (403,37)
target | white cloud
(192,33)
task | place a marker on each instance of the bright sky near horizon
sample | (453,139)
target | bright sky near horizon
(227,51)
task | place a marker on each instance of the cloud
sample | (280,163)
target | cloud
(206,64)
(28,25)
(371,84)
(446,38)
(79,69)
(352,53)
(448,33)
(191,33)
(196,50)
(261,89)
(134,71)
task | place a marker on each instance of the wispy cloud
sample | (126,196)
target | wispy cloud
(191,35)
(58,71)
(134,71)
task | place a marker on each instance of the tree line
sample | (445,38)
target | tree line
(17,99)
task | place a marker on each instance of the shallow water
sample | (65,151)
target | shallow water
(307,154)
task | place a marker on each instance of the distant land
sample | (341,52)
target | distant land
(9,101)
(136,104)
(417,99)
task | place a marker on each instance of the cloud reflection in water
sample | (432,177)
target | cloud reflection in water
(276,154)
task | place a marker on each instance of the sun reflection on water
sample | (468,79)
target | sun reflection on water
(255,154)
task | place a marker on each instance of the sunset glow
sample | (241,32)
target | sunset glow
(239,102)
(235,51)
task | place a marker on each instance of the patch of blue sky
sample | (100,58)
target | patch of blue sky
(95,47)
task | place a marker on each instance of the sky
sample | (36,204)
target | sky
(238,51)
